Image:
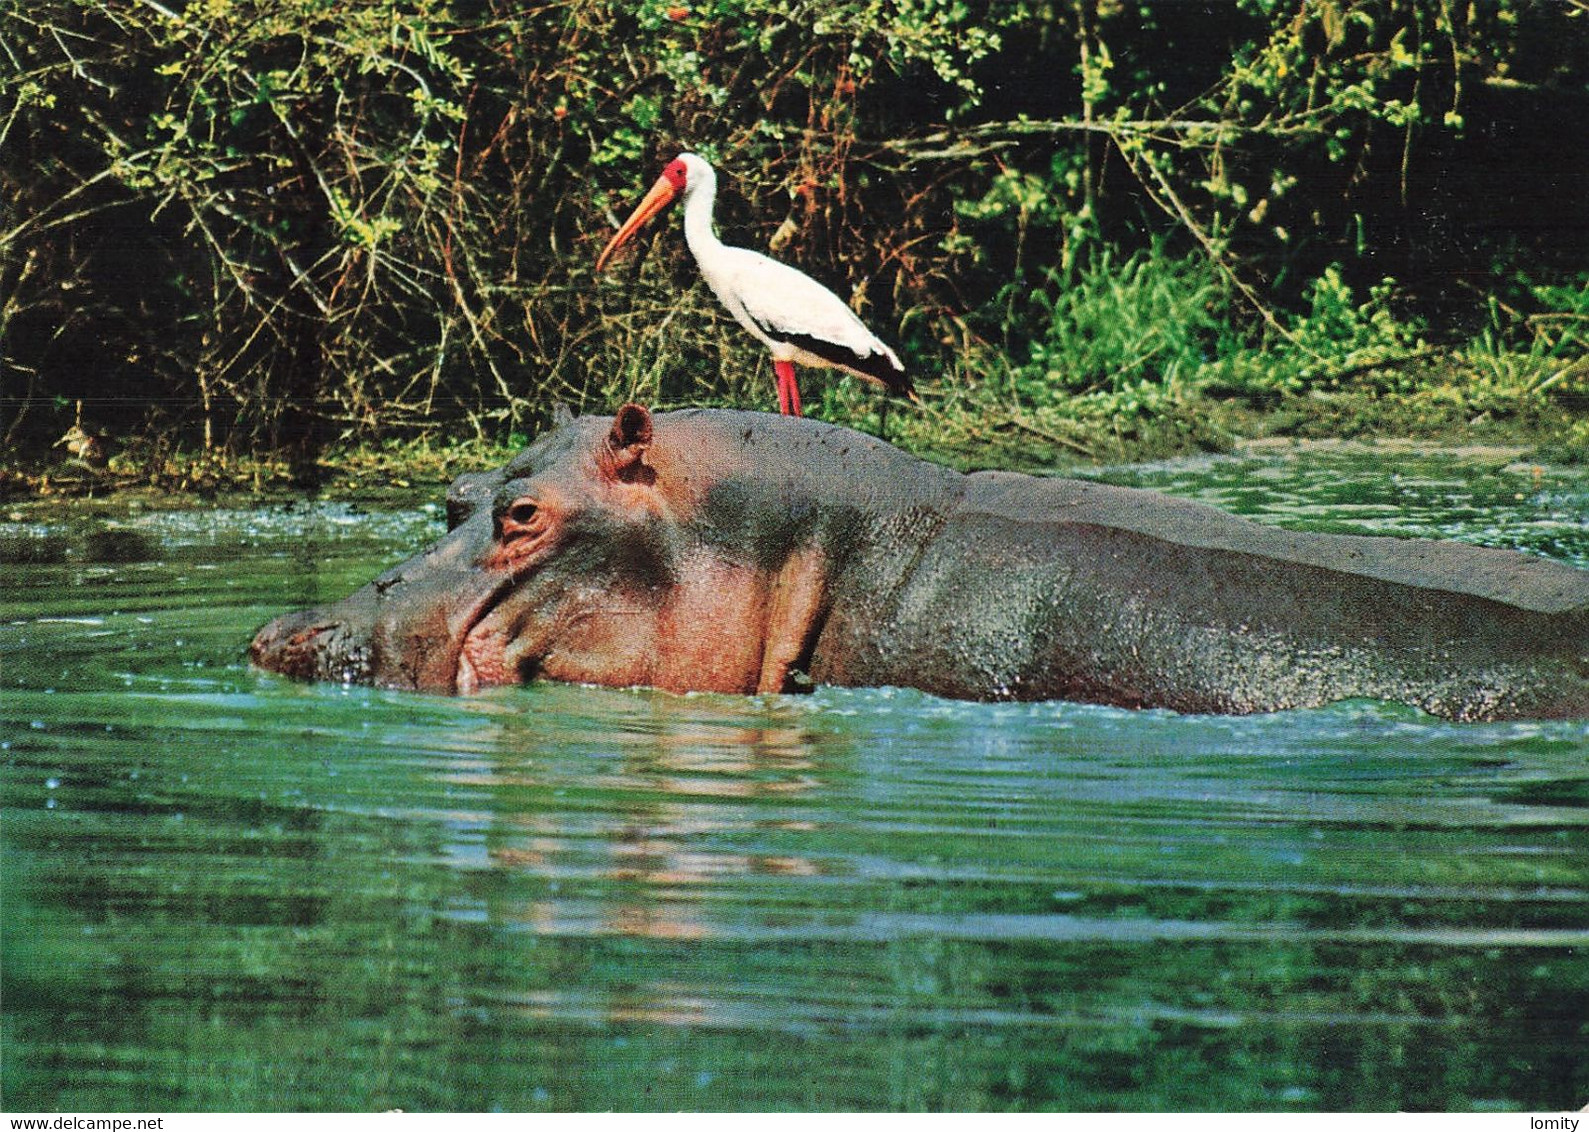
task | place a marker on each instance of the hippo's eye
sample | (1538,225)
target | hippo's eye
(518,520)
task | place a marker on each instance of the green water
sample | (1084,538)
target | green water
(225,891)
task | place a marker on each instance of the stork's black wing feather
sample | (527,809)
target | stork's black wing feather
(879,367)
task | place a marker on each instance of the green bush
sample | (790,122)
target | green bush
(1123,326)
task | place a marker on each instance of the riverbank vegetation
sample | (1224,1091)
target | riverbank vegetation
(243,236)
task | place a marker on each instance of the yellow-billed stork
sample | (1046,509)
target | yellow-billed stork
(793,315)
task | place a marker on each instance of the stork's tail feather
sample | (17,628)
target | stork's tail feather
(877,368)
(901,386)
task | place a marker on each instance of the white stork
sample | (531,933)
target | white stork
(793,315)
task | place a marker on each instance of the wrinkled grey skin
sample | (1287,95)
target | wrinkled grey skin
(986,586)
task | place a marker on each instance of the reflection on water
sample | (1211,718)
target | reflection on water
(225,891)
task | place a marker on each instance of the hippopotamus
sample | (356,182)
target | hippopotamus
(742,552)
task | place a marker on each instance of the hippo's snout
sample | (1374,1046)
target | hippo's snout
(310,645)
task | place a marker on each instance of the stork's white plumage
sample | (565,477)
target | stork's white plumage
(793,315)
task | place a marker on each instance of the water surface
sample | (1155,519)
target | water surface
(222,890)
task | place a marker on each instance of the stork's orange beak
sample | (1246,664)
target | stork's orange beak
(660,196)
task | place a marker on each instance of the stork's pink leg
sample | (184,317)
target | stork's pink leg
(788,389)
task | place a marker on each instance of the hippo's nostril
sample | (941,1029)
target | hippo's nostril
(305,646)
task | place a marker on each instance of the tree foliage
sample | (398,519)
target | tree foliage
(284,220)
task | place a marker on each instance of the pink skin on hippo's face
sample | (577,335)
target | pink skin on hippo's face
(578,564)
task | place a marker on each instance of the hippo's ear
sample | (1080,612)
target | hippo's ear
(625,456)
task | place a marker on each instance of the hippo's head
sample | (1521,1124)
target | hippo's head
(692,559)
(555,561)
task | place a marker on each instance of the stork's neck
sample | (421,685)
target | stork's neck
(699,196)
